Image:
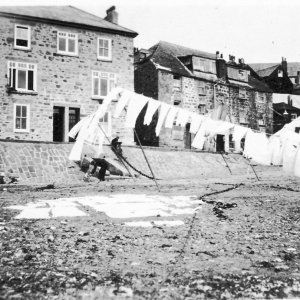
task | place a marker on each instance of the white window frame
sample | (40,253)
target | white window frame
(111,77)
(17,65)
(101,57)
(27,117)
(67,36)
(28,37)
(293,116)
(242,93)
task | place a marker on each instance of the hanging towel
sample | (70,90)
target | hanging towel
(276,148)
(126,95)
(220,127)
(76,128)
(164,108)
(153,105)
(202,133)
(113,94)
(76,151)
(171,116)
(136,104)
(257,148)
(278,98)
(239,132)
(183,117)
(195,122)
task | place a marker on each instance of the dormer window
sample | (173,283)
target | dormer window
(204,65)
(104,51)
(22,37)
(280,73)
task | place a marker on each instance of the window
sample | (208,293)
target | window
(102,83)
(104,49)
(202,109)
(243,75)
(22,37)
(105,123)
(261,97)
(22,76)
(204,65)
(201,88)
(280,73)
(177,83)
(242,93)
(21,117)
(231,142)
(67,43)
(293,116)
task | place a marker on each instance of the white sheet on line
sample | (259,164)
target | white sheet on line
(171,116)
(164,108)
(126,95)
(182,117)
(153,105)
(136,104)
(196,121)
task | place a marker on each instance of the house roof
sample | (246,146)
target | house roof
(285,106)
(258,85)
(292,67)
(267,71)
(64,14)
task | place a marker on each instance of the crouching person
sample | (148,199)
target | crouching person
(102,163)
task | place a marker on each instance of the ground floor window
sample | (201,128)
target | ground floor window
(105,123)
(21,117)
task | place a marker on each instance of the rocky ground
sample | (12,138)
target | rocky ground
(242,241)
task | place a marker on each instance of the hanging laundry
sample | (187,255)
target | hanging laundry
(171,116)
(164,108)
(76,128)
(126,95)
(297,163)
(239,132)
(152,107)
(136,104)
(290,149)
(76,151)
(182,117)
(257,148)
(112,95)
(202,133)
(196,121)
(278,98)
(220,127)
(276,149)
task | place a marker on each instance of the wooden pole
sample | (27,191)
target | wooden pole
(116,152)
(226,162)
(252,167)
(137,137)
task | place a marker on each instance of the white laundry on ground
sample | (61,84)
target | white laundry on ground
(182,117)
(171,116)
(196,121)
(136,104)
(257,148)
(164,108)
(126,95)
(152,107)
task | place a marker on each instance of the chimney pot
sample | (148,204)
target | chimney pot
(112,15)
(297,80)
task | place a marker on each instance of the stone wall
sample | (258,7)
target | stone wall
(61,80)
(44,163)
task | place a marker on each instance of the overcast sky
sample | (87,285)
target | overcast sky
(256,30)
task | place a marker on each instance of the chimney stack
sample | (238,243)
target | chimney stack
(217,54)
(221,68)
(297,80)
(111,15)
(284,64)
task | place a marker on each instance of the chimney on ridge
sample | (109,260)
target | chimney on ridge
(297,80)
(111,15)
(284,64)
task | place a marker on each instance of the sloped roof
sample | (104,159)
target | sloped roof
(65,14)
(292,67)
(165,56)
(283,105)
(267,71)
(258,85)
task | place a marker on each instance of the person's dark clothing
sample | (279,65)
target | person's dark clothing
(102,163)
(116,146)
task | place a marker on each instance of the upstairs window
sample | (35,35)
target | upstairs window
(102,83)
(243,75)
(280,73)
(22,76)
(204,65)
(242,93)
(67,43)
(293,116)
(202,109)
(21,117)
(22,37)
(177,83)
(201,88)
(104,49)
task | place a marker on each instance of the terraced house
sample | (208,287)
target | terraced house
(201,82)
(57,64)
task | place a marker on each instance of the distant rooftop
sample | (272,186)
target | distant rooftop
(65,14)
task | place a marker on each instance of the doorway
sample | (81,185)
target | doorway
(187,137)
(220,143)
(58,123)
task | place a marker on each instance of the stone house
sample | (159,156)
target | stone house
(57,64)
(201,82)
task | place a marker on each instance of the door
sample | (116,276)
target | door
(58,123)
(220,143)
(187,137)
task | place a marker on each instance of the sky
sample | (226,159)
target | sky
(256,30)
